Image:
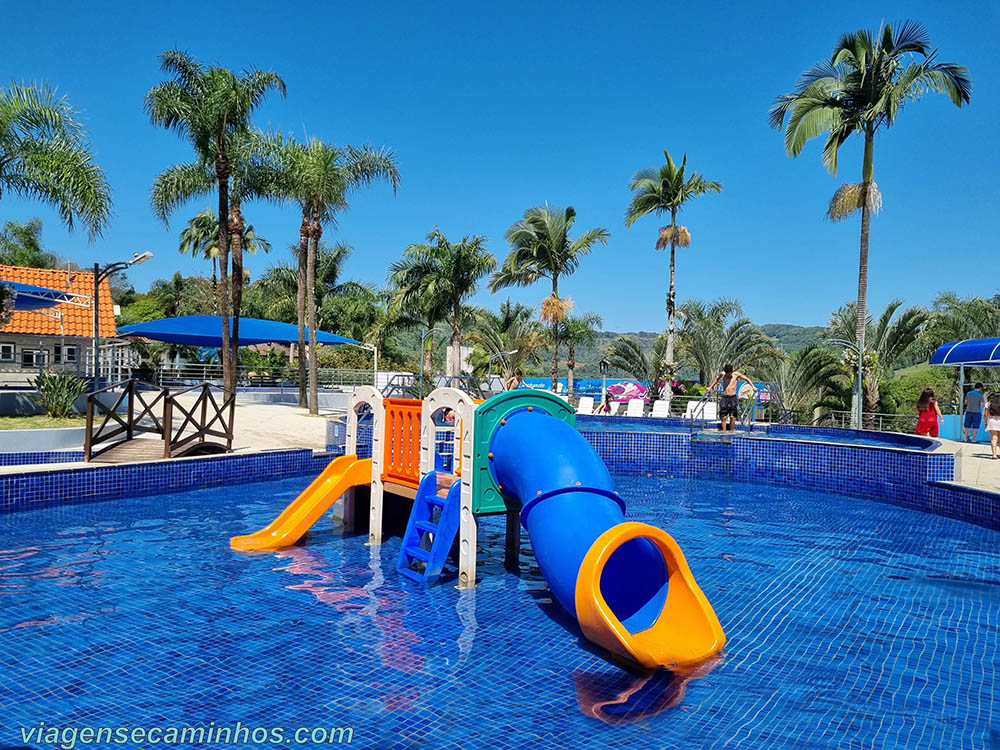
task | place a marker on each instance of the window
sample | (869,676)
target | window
(64,354)
(6,352)
(33,358)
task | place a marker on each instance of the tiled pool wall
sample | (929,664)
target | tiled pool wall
(40,457)
(834,433)
(913,478)
(34,488)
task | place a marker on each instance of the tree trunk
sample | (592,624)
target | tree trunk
(570,366)
(555,335)
(222,175)
(315,234)
(456,342)
(428,355)
(300,308)
(862,307)
(236,249)
(669,354)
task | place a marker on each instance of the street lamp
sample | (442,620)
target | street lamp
(859,390)
(100,274)
(423,339)
(489,364)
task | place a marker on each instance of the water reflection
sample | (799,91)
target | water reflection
(622,697)
(394,642)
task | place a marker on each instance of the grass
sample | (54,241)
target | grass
(40,422)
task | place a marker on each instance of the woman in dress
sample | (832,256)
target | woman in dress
(993,421)
(929,414)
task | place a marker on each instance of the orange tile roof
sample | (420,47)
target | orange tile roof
(76,320)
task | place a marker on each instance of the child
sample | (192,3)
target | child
(929,414)
(605,407)
(993,421)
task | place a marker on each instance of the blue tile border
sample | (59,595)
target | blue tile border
(40,457)
(32,489)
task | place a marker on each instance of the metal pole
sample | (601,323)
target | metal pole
(97,282)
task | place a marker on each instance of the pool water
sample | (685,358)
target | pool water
(850,623)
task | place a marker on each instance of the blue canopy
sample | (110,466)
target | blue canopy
(974,352)
(206,330)
(28,297)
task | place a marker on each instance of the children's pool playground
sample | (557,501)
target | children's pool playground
(495,575)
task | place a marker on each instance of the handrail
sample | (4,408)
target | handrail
(700,408)
(138,408)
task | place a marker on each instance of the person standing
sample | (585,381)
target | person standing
(729,405)
(929,414)
(993,422)
(974,401)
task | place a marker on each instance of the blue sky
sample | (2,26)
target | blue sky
(496,107)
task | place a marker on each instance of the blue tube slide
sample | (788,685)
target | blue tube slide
(569,500)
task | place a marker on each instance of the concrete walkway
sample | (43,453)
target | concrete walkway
(976,465)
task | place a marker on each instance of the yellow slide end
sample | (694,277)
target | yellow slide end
(684,632)
(340,475)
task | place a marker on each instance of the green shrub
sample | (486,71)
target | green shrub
(57,392)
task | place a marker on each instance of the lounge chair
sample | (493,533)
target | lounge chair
(707,410)
(661,408)
(586,405)
(635,408)
(612,413)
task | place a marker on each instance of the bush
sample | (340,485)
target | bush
(58,392)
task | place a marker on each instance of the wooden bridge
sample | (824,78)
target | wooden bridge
(148,422)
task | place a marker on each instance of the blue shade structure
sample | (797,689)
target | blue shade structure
(206,331)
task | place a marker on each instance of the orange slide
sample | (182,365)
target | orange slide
(338,477)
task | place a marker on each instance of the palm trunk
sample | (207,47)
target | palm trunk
(456,342)
(669,355)
(570,366)
(555,334)
(300,308)
(222,175)
(867,173)
(428,354)
(315,234)
(236,248)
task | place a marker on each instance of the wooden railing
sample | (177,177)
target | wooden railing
(402,441)
(199,421)
(140,407)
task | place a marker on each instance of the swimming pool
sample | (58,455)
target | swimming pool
(778,432)
(847,620)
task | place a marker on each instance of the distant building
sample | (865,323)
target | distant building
(58,338)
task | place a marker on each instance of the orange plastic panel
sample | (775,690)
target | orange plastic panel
(402,440)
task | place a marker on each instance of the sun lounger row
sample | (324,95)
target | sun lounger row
(636,407)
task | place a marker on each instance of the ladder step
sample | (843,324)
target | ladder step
(435,500)
(427,526)
(411,574)
(417,553)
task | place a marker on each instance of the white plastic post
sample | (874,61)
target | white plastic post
(366,394)
(467,531)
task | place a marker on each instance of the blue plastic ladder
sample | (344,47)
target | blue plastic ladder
(427,541)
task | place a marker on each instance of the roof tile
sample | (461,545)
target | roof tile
(77,319)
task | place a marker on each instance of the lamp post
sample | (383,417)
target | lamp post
(856,418)
(423,339)
(489,364)
(100,274)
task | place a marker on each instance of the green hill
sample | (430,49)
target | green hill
(791,338)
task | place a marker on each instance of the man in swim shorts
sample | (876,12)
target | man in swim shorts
(729,403)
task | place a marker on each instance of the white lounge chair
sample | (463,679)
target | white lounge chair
(635,407)
(586,405)
(614,410)
(707,410)
(564,397)
(661,408)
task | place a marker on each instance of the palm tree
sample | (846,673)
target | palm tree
(21,245)
(718,333)
(659,191)
(319,178)
(809,377)
(577,330)
(627,356)
(862,88)
(211,108)
(541,248)
(201,238)
(513,336)
(44,155)
(888,339)
(446,272)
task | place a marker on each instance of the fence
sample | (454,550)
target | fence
(279,377)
